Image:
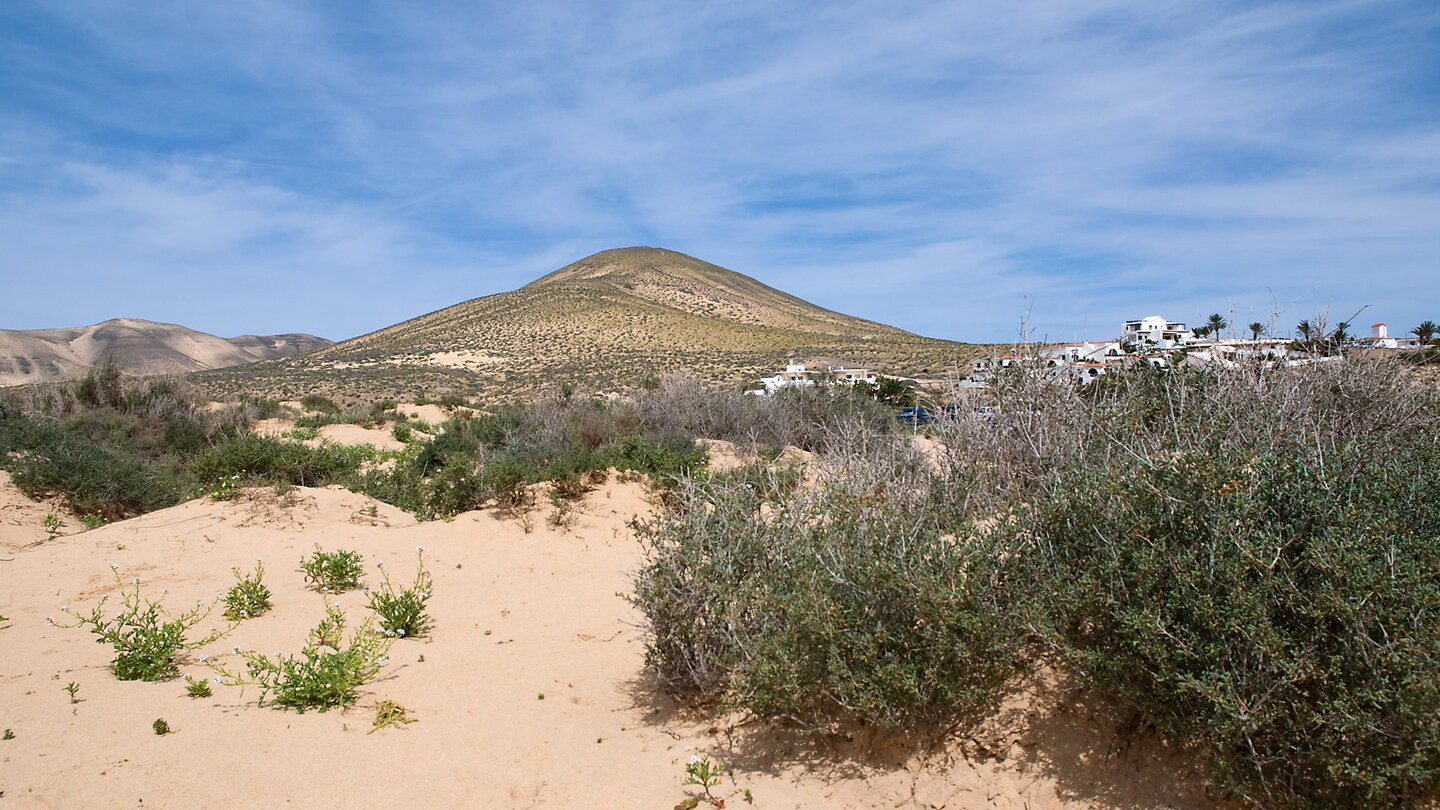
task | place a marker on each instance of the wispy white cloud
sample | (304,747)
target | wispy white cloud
(936,166)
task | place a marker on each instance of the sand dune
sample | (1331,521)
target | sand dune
(517,615)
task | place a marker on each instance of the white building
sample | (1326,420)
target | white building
(1156,332)
(1380,339)
(1088,351)
(796,375)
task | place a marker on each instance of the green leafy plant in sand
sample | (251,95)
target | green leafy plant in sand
(248,597)
(402,612)
(705,774)
(197,688)
(332,570)
(147,638)
(324,675)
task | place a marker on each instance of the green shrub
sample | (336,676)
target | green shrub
(844,602)
(261,459)
(402,610)
(332,571)
(93,478)
(147,639)
(248,597)
(1249,558)
(505,479)
(317,403)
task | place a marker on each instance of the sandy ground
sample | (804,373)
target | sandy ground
(517,615)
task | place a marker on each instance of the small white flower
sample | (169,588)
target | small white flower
(49,620)
(64,608)
(401,631)
(113,566)
(380,564)
(419,548)
(137,580)
(235,649)
(186,676)
(203,657)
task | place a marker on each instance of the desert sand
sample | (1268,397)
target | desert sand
(529,691)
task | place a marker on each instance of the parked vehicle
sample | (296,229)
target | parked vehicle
(914,417)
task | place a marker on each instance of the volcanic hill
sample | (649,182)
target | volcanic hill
(605,323)
(136,347)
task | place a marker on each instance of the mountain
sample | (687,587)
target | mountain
(604,323)
(137,347)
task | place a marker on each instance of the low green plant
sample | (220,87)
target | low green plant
(705,774)
(226,488)
(316,402)
(160,727)
(302,434)
(71,689)
(267,460)
(402,611)
(147,639)
(93,520)
(197,688)
(332,571)
(8,735)
(52,526)
(248,597)
(324,675)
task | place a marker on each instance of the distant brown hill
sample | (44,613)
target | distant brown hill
(604,323)
(137,347)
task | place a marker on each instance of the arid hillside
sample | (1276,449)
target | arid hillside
(604,323)
(137,347)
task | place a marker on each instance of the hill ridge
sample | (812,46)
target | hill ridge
(607,322)
(137,346)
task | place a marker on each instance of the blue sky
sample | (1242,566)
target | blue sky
(948,167)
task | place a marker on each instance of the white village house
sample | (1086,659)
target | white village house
(1156,332)
(1380,339)
(796,375)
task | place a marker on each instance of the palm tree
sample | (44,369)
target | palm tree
(1306,331)
(1255,330)
(1340,335)
(1425,331)
(1217,323)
